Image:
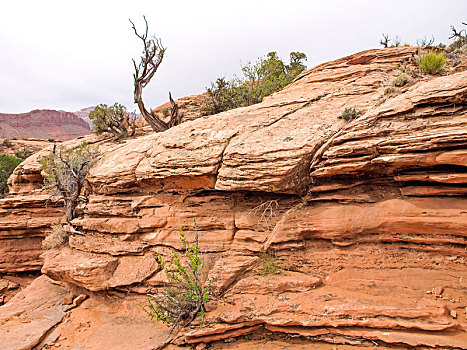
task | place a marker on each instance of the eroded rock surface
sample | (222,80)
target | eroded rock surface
(26,319)
(367,218)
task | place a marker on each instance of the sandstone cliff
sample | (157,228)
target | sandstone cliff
(367,218)
(43,124)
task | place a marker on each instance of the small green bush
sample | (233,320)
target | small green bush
(185,296)
(402,80)
(350,114)
(6,143)
(7,165)
(260,79)
(165,111)
(114,119)
(432,62)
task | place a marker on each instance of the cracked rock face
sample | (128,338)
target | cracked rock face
(365,218)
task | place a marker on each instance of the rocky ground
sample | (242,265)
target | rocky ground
(366,218)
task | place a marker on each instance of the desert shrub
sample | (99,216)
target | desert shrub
(260,79)
(185,296)
(350,114)
(432,62)
(23,153)
(64,172)
(269,264)
(55,237)
(402,80)
(390,90)
(6,143)
(114,119)
(165,111)
(7,165)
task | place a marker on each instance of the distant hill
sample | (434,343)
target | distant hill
(84,114)
(43,124)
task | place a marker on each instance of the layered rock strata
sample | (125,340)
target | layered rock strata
(43,124)
(367,218)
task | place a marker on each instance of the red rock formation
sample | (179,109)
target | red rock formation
(42,124)
(367,218)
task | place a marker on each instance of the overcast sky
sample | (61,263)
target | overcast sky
(73,54)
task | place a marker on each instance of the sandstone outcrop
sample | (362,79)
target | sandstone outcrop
(367,218)
(43,124)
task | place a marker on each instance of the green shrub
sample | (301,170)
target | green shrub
(402,80)
(7,165)
(185,296)
(432,62)
(269,264)
(114,119)
(6,143)
(260,79)
(350,114)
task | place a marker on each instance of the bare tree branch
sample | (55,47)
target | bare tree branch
(151,59)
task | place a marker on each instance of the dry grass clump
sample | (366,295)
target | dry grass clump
(269,264)
(402,79)
(390,90)
(56,237)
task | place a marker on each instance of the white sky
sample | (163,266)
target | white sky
(73,54)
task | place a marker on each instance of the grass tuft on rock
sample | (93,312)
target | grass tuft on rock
(432,62)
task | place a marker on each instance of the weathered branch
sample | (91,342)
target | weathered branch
(151,59)
(385,41)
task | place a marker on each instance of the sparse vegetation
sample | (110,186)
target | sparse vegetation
(269,264)
(390,90)
(7,165)
(350,114)
(185,296)
(425,42)
(23,153)
(64,172)
(402,80)
(385,41)
(6,143)
(113,119)
(165,111)
(56,237)
(459,37)
(432,62)
(260,79)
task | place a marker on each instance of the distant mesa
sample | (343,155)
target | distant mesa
(44,124)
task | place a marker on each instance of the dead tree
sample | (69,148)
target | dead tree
(151,58)
(458,34)
(65,173)
(385,41)
(425,42)
(175,115)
